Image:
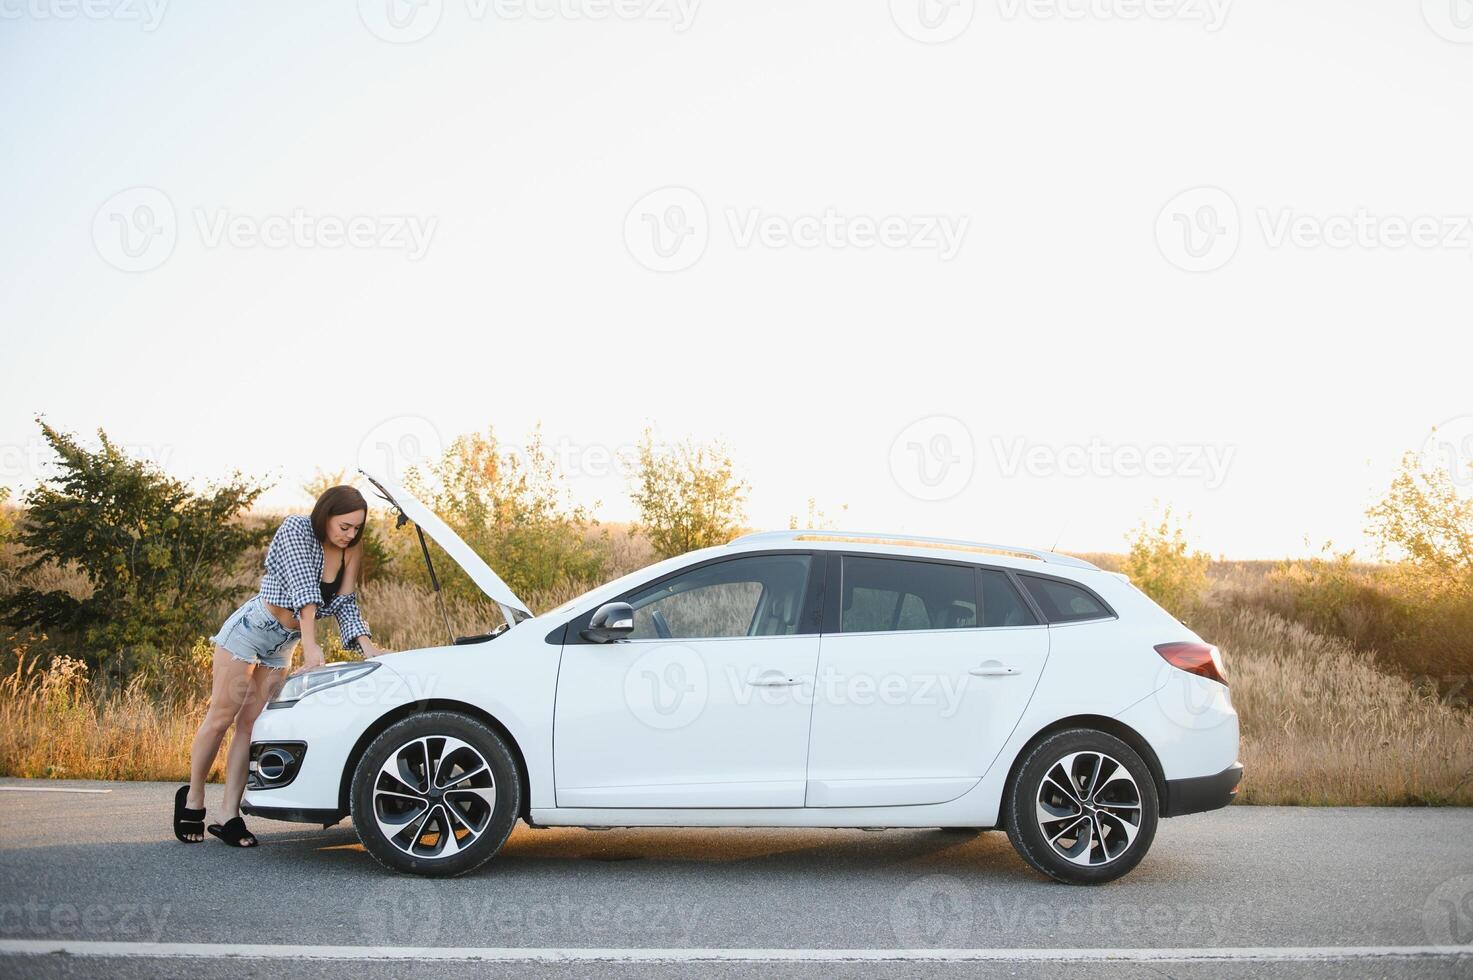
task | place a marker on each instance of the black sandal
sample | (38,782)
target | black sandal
(233,832)
(187,821)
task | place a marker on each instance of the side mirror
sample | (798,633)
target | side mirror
(612,621)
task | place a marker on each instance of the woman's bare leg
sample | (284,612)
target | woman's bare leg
(264,684)
(228,690)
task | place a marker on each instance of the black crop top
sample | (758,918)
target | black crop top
(330,589)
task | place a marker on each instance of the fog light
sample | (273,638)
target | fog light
(274,764)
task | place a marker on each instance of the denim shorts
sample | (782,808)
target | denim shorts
(252,634)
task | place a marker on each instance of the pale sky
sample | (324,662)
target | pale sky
(1009,270)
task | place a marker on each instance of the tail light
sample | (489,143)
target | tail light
(1201,659)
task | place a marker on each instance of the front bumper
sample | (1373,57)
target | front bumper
(293,815)
(1202,793)
(306,780)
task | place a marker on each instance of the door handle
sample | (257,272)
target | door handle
(774,678)
(994,668)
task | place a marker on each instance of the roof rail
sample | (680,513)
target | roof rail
(914,541)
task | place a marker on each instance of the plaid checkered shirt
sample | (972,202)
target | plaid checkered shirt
(293,579)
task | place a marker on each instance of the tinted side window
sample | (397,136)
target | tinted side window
(759,596)
(882,594)
(1062,602)
(1001,603)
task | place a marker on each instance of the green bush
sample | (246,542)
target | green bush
(689,497)
(1164,567)
(1415,611)
(513,510)
(158,559)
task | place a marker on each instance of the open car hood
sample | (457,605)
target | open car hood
(514,610)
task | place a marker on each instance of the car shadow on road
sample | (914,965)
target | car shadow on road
(533,850)
(291,851)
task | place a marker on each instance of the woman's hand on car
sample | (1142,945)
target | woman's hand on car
(311,657)
(369,648)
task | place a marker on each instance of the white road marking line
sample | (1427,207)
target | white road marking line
(514,954)
(49,789)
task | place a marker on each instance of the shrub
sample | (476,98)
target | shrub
(7,528)
(157,559)
(1415,612)
(1426,522)
(1162,565)
(688,497)
(513,511)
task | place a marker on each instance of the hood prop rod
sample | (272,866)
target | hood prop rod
(434,579)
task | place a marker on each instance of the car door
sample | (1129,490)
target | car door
(702,706)
(920,682)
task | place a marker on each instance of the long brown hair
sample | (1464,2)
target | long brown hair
(341,499)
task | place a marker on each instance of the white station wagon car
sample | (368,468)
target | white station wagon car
(788,679)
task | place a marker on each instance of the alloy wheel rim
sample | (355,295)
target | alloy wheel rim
(1089,808)
(434,797)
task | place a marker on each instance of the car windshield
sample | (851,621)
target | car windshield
(622,583)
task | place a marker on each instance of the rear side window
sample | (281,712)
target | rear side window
(883,594)
(1062,602)
(1001,603)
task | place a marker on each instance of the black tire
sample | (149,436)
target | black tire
(490,821)
(1102,817)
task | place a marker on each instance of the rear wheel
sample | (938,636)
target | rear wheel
(435,794)
(1082,808)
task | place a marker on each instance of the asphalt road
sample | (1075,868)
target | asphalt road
(1244,892)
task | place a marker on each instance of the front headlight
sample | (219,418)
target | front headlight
(311,681)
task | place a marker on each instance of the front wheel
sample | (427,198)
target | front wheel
(1082,808)
(435,794)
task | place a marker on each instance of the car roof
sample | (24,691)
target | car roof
(1012,556)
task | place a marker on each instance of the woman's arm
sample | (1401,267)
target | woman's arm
(350,619)
(311,650)
(352,628)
